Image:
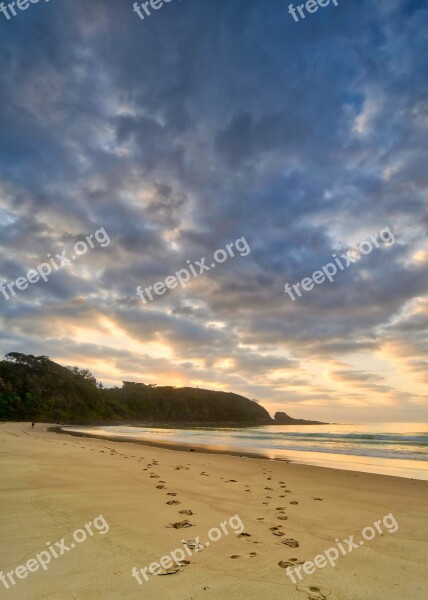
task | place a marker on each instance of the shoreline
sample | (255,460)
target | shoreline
(185,424)
(179,447)
(363,464)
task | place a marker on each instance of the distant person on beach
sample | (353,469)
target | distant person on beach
(32,425)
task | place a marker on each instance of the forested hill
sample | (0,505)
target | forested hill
(36,388)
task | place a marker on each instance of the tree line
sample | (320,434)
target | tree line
(34,388)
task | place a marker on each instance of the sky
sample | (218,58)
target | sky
(208,122)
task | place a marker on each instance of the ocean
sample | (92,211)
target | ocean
(399,449)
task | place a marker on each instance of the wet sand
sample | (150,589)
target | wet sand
(53,484)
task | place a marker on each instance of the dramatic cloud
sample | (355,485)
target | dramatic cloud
(181,133)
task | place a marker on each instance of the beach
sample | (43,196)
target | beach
(52,485)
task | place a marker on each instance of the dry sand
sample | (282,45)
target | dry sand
(53,484)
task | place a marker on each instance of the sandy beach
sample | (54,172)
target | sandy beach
(52,485)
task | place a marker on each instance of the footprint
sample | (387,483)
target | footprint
(171,571)
(234,556)
(194,545)
(291,543)
(176,568)
(189,513)
(314,592)
(290,563)
(171,502)
(180,525)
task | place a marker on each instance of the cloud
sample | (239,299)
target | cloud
(305,141)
